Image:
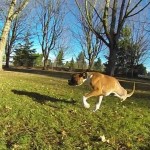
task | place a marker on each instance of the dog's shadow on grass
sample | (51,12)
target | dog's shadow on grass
(42,99)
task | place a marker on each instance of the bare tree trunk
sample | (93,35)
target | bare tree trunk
(132,70)
(112,58)
(112,62)
(12,37)
(1,60)
(7,59)
(5,31)
(50,18)
(91,63)
(11,15)
(45,66)
(7,53)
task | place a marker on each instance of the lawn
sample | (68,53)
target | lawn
(40,111)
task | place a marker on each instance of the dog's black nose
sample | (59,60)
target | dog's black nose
(71,83)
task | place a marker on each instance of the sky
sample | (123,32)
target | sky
(73,26)
(74,47)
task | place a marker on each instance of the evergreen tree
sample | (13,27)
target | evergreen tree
(72,64)
(67,64)
(60,58)
(38,60)
(81,61)
(131,50)
(141,69)
(98,65)
(124,49)
(24,54)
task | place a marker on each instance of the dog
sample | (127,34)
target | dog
(102,85)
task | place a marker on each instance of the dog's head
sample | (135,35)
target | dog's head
(77,79)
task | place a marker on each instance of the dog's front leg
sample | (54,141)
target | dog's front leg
(85,103)
(91,94)
(98,104)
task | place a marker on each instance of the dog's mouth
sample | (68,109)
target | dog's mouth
(72,83)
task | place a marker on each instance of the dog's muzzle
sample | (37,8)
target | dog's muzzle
(69,82)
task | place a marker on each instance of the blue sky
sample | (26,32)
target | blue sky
(73,25)
(74,47)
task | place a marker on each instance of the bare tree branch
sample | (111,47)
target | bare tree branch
(50,25)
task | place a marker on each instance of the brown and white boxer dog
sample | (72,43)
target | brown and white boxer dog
(102,85)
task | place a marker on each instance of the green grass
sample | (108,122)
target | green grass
(42,112)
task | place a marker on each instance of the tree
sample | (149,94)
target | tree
(60,58)
(24,54)
(124,50)
(10,41)
(98,65)
(49,25)
(132,50)
(108,21)
(19,27)
(72,64)
(81,60)
(16,33)
(93,49)
(12,14)
(91,45)
(141,70)
(67,64)
(38,61)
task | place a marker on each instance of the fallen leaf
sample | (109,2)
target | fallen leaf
(104,139)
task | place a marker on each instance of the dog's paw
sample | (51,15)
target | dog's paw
(94,110)
(86,105)
(97,107)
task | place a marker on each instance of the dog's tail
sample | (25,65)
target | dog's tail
(130,94)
